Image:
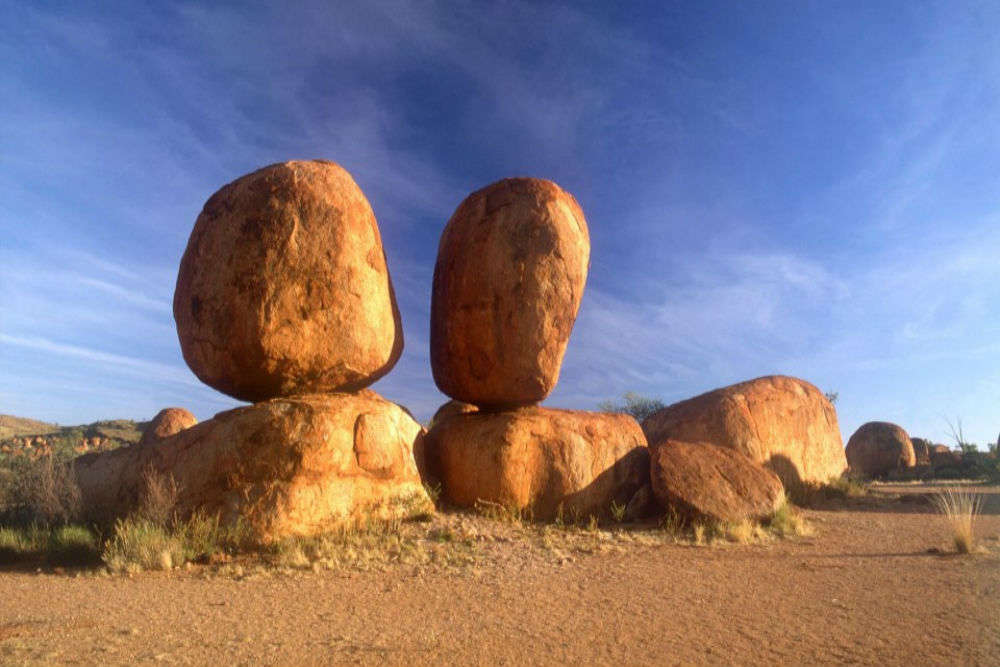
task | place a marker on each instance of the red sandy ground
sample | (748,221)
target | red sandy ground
(863,590)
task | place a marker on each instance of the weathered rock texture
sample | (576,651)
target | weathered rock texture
(921,450)
(283,288)
(540,459)
(876,448)
(704,481)
(782,422)
(291,466)
(510,273)
(452,409)
(166,423)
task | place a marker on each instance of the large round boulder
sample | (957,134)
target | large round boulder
(166,423)
(510,273)
(878,448)
(289,466)
(782,422)
(283,288)
(698,480)
(539,460)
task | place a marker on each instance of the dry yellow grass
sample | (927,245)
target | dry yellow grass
(959,507)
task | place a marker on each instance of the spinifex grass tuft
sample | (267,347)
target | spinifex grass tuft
(959,508)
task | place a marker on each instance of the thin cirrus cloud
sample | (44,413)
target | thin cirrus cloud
(805,192)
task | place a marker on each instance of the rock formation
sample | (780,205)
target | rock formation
(283,288)
(283,297)
(922,451)
(510,273)
(782,422)
(877,448)
(166,423)
(540,459)
(288,466)
(704,481)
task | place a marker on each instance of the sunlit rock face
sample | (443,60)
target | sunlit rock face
(288,466)
(283,288)
(782,422)
(510,273)
(539,460)
(878,448)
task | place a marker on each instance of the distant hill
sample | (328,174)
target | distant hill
(11,425)
(32,438)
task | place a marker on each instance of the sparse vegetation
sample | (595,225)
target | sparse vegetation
(617,511)
(959,508)
(807,494)
(634,404)
(832,396)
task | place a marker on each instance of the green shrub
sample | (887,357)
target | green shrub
(138,544)
(634,404)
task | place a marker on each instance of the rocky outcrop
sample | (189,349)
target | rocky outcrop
(781,422)
(921,451)
(540,460)
(877,448)
(166,423)
(283,288)
(510,273)
(701,481)
(289,466)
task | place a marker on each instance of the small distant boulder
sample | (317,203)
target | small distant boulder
(540,459)
(166,423)
(781,422)
(703,481)
(511,267)
(877,448)
(922,451)
(943,456)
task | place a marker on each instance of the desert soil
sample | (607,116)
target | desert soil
(877,584)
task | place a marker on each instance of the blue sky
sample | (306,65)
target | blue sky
(806,188)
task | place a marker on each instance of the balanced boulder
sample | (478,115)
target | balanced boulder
(703,481)
(541,460)
(510,273)
(781,422)
(289,466)
(283,288)
(878,448)
(166,423)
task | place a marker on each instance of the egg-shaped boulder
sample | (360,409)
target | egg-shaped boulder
(283,288)
(509,277)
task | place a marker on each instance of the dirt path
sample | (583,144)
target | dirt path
(864,590)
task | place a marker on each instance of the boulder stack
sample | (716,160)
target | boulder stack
(878,448)
(283,298)
(509,277)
